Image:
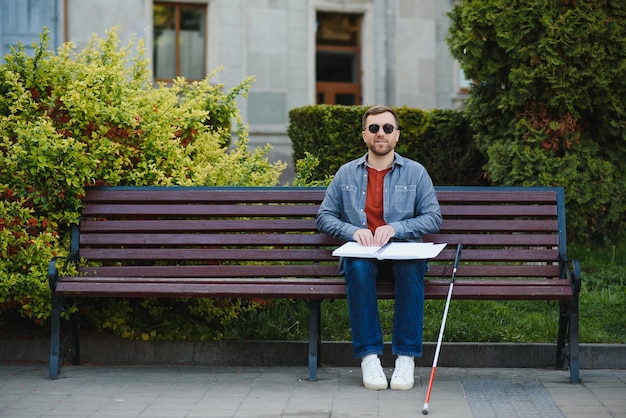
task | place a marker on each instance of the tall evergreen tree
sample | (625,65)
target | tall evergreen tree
(548,100)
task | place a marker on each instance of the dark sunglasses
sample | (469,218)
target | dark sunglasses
(387,128)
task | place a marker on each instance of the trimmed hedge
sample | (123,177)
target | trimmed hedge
(439,139)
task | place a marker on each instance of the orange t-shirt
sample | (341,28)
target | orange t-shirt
(374,198)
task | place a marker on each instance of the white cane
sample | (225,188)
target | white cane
(443,325)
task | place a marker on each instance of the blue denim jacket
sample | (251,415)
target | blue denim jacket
(410,202)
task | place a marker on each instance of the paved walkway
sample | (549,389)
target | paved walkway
(201,391)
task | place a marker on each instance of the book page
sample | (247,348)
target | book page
(391,251)
(353,249)
(410,251)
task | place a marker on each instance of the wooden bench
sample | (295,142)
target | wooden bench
(260,242)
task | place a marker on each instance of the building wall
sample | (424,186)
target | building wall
(405,60)
(23,21)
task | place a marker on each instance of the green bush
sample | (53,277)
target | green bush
(93,117)
(25,240)
(547,100)
(175,319)
(439,139)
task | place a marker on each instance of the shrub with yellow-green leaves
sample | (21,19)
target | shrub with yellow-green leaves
(77,118)
(25,240)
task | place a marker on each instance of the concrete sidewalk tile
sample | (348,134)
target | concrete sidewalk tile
(204,391)
(214,408)
(572,411)
(315,406)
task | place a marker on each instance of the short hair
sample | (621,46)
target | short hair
(376,110)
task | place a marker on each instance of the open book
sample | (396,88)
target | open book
(391,250)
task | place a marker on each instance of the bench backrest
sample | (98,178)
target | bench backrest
(193,232)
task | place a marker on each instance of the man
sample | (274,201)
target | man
(379,197)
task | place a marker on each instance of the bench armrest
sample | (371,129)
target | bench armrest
(53,271)
(575,276)
(570,269)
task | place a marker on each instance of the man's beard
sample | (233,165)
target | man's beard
(380,151)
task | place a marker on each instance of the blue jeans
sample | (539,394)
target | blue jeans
(408,319)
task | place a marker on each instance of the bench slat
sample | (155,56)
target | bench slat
(214,254)
(497,225)
(294,195)
(182,210)
(208,272)
(333,290)
(517,272)
(211,254)
(69,281)
(206,195)
(214,290)
(506,240)
(501,254)
(497,211)
(256,225)
(196,225)
(178,240)
(466,195)
(313,270)
(251,239)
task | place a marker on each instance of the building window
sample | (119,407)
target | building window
(338,58)
(179,41)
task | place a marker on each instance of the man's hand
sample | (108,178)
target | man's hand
(382,235)
(364,237)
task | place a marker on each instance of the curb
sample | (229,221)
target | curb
(295,353)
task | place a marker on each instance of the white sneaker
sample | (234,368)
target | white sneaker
(403,375)
(373,375)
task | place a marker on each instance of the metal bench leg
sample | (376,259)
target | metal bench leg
(564,321)
(568,333)
(314,337)
(55,337)
(574,366)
